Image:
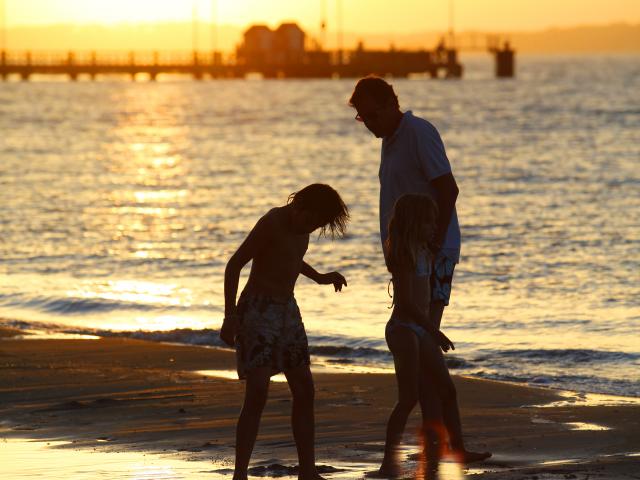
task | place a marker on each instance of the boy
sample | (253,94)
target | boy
(266,326)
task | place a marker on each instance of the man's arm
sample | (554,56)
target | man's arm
(436,168)
(446,194)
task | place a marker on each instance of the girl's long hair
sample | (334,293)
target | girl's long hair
(410,212)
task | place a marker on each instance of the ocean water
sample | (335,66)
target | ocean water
(122,202)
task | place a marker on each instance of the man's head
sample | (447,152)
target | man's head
(377,105)
(319,206)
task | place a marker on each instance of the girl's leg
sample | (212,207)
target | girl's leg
(435,368)
(255,397)
(405,348)
(302,420)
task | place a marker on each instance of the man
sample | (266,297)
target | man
(413,160)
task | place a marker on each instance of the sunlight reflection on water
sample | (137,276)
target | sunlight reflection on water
(123,215)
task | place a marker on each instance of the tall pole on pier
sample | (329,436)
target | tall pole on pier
(451,13)
(194,26)
(214,27)
(3,25)
(339,22)
(323,23)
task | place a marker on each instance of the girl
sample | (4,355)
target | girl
(415,343)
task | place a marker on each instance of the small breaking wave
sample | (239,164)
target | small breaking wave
(563,356)
(81,306)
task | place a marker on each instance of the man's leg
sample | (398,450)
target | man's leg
(430,399)
(434,366)
(255,397)
(302,419)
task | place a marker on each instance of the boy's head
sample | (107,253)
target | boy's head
(319,206)
(377,105)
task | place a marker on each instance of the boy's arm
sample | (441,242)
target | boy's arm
(309,272)
(255,241)
(323,278)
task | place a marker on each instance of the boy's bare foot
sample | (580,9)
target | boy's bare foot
(465,456)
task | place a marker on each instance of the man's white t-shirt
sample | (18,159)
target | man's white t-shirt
(411,159)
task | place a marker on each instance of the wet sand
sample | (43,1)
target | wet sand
(121,395)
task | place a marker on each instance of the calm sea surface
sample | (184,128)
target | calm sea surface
(121,203)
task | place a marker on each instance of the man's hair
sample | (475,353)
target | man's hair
(325,202)
(373,87)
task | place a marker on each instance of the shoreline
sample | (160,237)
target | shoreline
(321,362)
(115,395)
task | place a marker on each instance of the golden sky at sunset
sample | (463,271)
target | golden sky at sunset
(358,15)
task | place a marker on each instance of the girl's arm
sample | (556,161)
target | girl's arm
(403,296)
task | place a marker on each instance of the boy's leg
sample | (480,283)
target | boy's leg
(255,397)
(302,419)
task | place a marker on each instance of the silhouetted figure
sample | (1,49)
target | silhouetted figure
(266,327)
(414,162)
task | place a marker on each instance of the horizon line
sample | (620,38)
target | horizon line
(625,23)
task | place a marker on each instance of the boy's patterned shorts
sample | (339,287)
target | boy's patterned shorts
(270,334)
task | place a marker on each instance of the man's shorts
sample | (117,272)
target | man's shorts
(270,334)
(441,278)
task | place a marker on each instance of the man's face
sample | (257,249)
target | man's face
(378,118)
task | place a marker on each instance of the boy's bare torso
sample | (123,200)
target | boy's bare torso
(276,267)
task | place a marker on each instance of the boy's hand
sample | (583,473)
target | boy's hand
(228,330)
(334,277)
(444,342)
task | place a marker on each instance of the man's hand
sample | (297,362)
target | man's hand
(333,277)
(228,330)
(444,342)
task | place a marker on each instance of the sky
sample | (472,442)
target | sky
(357,15)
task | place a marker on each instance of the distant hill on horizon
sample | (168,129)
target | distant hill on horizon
(614,38)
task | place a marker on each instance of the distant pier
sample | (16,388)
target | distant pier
(201,65)
(280,53)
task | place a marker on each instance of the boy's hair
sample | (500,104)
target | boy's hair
(325,202)
(409,213)
(374,87)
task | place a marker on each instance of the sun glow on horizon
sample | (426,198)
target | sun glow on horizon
(357,15)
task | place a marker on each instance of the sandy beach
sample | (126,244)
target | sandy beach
(122,395)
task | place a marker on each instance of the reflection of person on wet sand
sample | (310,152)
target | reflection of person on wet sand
(414,341)
(266,326)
